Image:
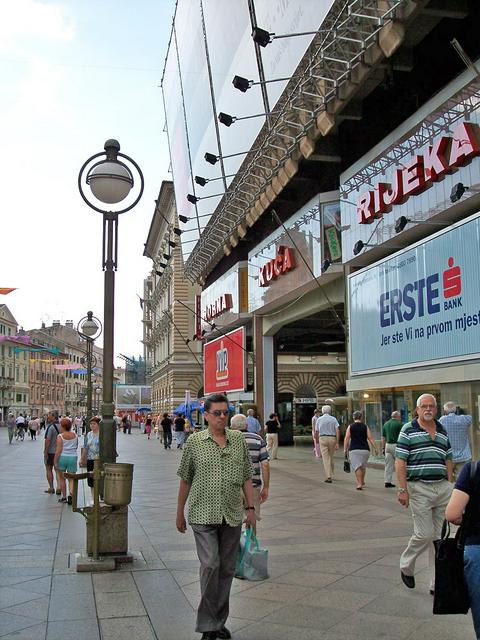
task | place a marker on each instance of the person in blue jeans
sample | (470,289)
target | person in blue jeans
(466,497)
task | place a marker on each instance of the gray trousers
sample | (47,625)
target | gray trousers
(389,461)
(217,547)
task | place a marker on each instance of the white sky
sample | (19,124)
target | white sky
(72,75)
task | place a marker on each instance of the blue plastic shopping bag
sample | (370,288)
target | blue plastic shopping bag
(252,562)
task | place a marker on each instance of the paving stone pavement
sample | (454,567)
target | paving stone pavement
(333,559)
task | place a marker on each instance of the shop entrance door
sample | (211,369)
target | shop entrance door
(285,415)
(373,418)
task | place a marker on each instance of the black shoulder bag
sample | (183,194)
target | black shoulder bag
(451,593)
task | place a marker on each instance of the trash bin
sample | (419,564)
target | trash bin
(117,490)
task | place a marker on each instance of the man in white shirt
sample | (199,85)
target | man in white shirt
(327,432)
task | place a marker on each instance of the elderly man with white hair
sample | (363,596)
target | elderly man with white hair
(327,432)
(259,457)
(423,461)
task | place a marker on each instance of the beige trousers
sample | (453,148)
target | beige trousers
(327,447)
(272,445)
(427,504)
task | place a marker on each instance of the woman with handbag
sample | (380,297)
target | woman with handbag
(91,448)
(355,445)
(464,506)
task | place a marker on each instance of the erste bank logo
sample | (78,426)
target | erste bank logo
(423,297)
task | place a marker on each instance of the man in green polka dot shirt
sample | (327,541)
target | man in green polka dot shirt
(215,472)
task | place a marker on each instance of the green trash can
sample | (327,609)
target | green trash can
(117,488)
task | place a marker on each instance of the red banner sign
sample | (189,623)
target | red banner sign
(447,153)
(224,363)
(219,306)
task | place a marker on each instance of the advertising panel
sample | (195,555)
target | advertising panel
(420,306)
(132,396)
(224,363)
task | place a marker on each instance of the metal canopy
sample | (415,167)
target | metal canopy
(354,37)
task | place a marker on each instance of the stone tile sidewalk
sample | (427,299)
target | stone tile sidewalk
(333,560)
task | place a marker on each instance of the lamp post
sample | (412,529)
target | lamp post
(110,182)
(89,328)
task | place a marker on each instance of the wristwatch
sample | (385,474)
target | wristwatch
(402,490)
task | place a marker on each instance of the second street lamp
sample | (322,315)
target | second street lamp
(89,328)
(110,181)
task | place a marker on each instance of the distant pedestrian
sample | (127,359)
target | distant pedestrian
(148,426)
(50,446)
(10,427)
(390,432)
(179,425)
(356,441)
(423,462)
(327,433)
(33,427)
(20,426)
(166,426)
(253,424)
(124,423)
(316,444)
(459,430)
(273,426)
(65,458)
(91,448)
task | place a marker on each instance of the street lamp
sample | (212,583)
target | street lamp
(89,328)
(110,182)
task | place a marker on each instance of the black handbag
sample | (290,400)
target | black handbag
(451,592)
(346,464)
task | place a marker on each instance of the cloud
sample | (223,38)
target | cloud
(33,19)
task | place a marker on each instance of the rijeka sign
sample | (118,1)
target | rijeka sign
(281,264)
(218,306)
(420,172)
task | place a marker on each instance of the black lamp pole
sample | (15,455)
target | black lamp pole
(110,181)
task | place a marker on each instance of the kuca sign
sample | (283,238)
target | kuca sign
(281,264)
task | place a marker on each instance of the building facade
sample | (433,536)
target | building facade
(286,179)
(171,337)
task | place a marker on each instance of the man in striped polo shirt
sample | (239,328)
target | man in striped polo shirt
(424,472)
(259,458)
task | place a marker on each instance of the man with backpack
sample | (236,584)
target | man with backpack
(51,433)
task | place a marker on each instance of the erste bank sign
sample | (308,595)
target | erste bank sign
(420,172)
(224,363)
(420,306)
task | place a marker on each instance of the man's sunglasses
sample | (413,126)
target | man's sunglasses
(218,412)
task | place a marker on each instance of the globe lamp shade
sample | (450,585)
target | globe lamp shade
(110,182)
(89,328)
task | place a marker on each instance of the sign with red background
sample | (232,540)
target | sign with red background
(224,363)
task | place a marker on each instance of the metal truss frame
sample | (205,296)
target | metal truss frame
(459,106)
(325,74)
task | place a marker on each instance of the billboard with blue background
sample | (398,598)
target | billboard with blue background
(419,306)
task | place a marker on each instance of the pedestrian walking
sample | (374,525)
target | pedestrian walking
(10,427)
(91,448)
(316,444)
(33,427)
(179,425)
(390,432)
(253,423)
(214,470)
(259,458)
(148,426)
(166,426)
(327,434)
(20,427)
(65,458)
(50,446)
(273,426)
(355,445)
(459,430)
(465,499)
(423,462)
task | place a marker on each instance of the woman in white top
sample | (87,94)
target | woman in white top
(66,457)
